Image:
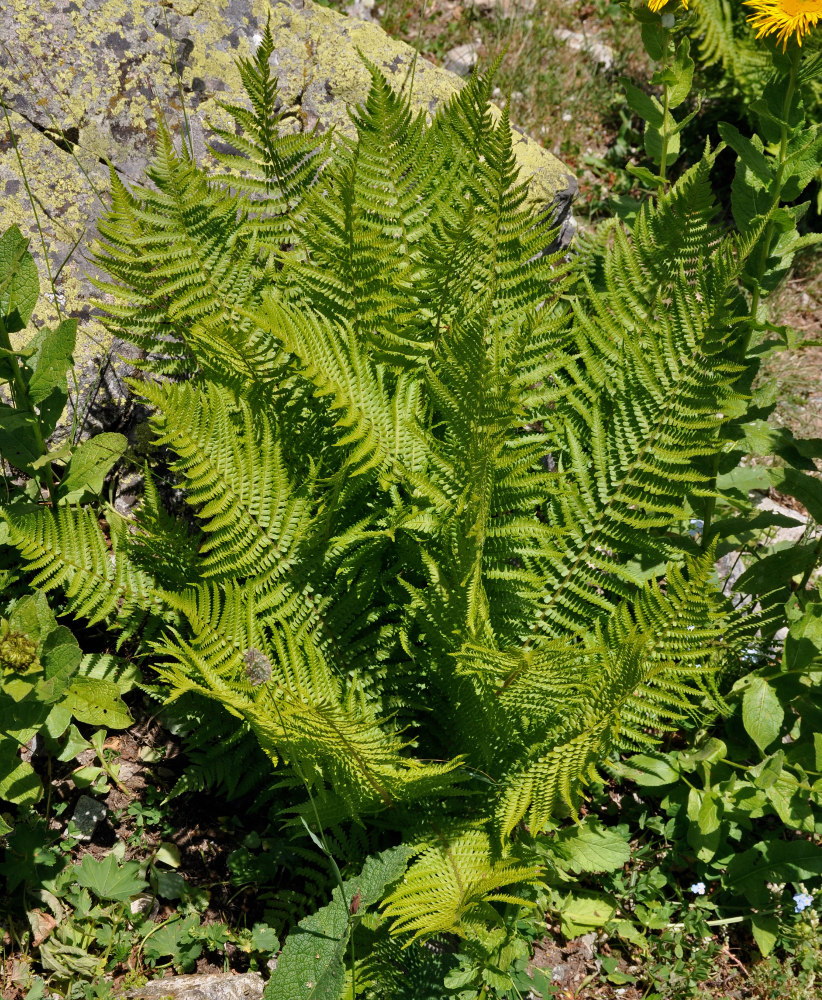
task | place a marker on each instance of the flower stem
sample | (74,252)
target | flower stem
(767,235)
(666,114)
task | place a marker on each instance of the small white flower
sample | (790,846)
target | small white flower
(802,900)
(698,888)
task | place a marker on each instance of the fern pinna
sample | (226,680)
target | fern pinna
(442,477)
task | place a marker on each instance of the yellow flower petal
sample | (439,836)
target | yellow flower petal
(784,18)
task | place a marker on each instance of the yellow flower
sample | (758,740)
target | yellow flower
(657,5)
(785,18)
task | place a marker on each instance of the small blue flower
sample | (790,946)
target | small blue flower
(698,888)
(803,900)
(697,526)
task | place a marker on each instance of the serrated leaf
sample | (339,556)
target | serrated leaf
(89,466)
(264,938)
(51,360)
(647,107)
(19,282)
(590,847)
(749,150)
(18,438)
(109,880)
(310,966)
(762,713)
(683,71)
(97,703)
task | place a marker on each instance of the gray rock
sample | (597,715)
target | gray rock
(248,986)
(365,10)
(504,8)
(462,59)
(88,81)
(88,813)
(598,51)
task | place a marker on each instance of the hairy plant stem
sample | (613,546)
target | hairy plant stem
(767,236)
(666,111)
(22,401)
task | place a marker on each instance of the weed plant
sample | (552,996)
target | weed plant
(461,509)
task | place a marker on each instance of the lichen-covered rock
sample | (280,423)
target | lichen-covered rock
(87,82)
(248,986)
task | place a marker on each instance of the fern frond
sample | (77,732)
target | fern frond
(67,549)
(641,404)
(177,260)
(273,170)
(235,474)
(451,878)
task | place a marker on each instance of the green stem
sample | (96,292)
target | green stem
(666,113)
(22,401)
(767,235)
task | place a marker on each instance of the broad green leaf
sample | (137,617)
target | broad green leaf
(310,966)
(264,938)
(654,38)
(18,438)
(90,465)
(97,703)
(750,151)
(590,848)
(60,657)
(33,616)
(581,912)
(777,568)
(683,70)
(772,861)
(19,283)
(57,721)
(647,771)
(168,854)
(709,752)
(762,713)
(19,783)
(704,827)
(654,140)
(765,932)
(647,107)
(645,175)
(67,960)
(170,884)
(791,804)
(802,162)
(804,488)
(109,880)
(75,743)
(766,773)
(5,828)
(52,359)
(106,667)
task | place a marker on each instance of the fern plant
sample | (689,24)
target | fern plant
(441,477)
